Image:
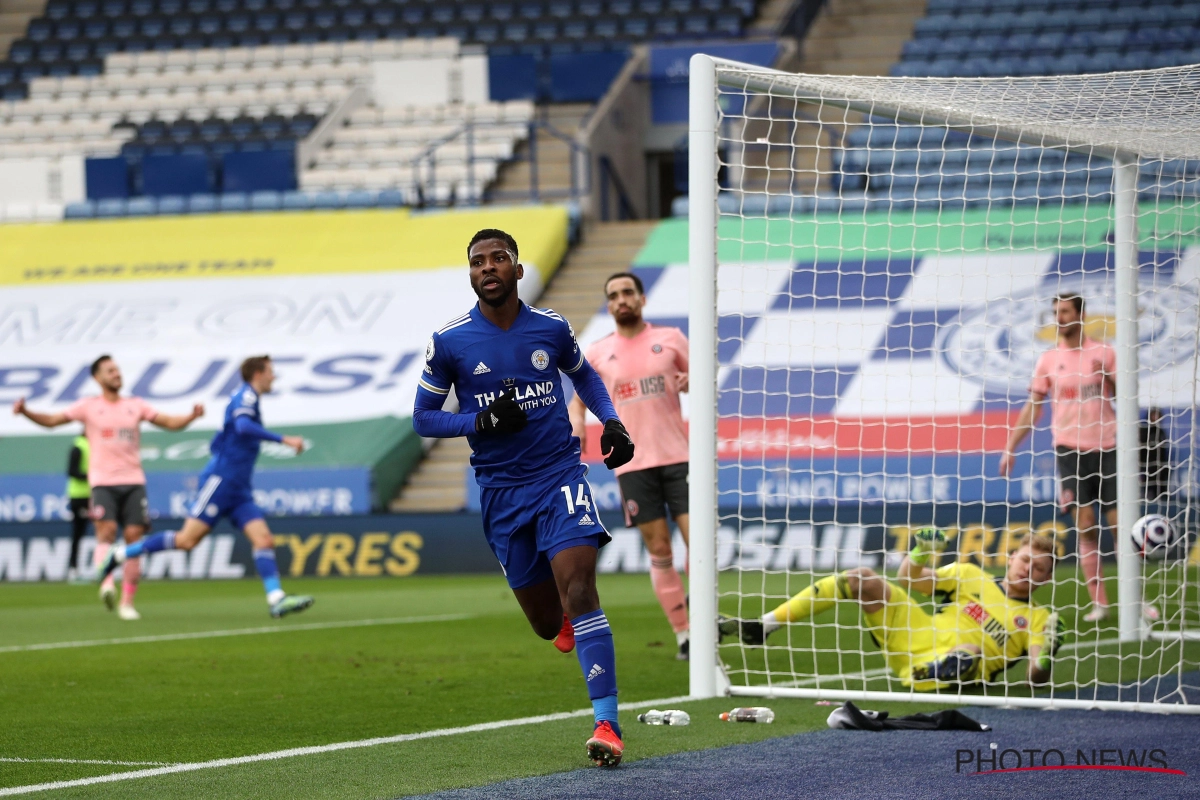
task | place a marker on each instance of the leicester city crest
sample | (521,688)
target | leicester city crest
(540,359)
(997,344)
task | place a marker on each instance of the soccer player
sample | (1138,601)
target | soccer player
(983,626)
(112,425)
(644,368)
(503,360)
(1077,377)
(225,490)
(79,498)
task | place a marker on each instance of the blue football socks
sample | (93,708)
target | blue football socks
(268,570)
(598,659)
(151,544)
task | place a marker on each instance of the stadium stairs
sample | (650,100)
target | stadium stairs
(439,483)
(551,154)
(848,37)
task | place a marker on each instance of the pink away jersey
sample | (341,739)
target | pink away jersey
(1083,417)
(644,376)
(114,432)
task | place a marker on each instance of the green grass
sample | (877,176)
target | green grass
(202,699)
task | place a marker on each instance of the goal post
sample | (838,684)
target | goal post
(872,262)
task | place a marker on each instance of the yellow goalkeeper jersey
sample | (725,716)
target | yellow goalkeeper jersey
(975,610)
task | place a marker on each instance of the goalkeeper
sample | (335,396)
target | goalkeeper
(982,626)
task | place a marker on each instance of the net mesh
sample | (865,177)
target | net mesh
(889,252)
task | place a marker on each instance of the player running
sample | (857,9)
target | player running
(112,425)
(644,368)
(225,490)
(984,625)
(503,360)
(1077,377)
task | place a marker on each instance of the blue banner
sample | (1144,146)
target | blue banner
(285,492)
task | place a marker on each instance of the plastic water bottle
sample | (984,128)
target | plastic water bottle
(669,717)
(750,714)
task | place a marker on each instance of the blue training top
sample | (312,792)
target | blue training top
(235,447)
(482,361)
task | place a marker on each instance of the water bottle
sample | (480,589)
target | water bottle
(750,714)
(669,717)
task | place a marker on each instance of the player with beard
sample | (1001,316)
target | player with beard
(1077,377)
(644,368)
(226,490)
(112,425)
(503,360)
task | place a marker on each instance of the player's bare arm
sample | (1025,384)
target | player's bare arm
(37,417)
(177,422)
(1029,415)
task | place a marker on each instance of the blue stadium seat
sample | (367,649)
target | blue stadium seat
(298,201)
(141,207)
(82,210)
(202,203)
(359,198)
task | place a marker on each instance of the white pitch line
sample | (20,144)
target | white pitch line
(176,637)
(175,769)
(89,761)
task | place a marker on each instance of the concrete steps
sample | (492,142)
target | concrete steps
(576,292)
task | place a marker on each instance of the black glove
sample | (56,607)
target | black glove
(615,444)
(503,415)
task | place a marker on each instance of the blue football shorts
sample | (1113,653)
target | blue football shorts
(527,526)
(220,497)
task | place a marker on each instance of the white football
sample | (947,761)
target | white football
(1153,535)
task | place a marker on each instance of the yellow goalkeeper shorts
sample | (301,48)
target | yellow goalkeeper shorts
(906,634)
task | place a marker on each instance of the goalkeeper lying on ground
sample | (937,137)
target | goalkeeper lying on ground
(983,625)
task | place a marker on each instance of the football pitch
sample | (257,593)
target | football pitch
(385,688)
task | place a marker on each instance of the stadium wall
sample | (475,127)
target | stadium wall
(402,545)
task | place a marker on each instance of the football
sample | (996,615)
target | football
(1153,535)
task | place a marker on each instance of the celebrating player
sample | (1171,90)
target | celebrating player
(225,489)
(112,425)
(644,368)
(503,358)
(1077,377)
(983,626)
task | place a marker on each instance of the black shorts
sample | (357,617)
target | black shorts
(81,507)
(1087,476)
(647,493)
(125,505)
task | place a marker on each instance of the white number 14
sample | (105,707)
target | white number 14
(581,500)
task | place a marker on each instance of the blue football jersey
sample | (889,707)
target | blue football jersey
(481,362)
(234,454)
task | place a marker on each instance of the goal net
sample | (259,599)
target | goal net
(881,276)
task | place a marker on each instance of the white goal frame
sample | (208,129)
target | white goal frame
(707,678)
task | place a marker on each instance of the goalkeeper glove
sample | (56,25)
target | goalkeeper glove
(615,444)
(929,542)
(503,415)
(1053,633)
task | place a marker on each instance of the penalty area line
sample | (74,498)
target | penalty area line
(179,637)
(295,752)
